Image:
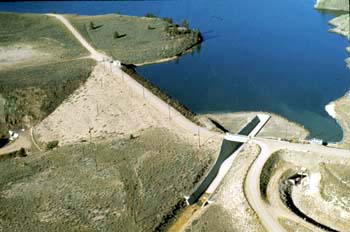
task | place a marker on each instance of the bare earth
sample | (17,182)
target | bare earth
(20,54)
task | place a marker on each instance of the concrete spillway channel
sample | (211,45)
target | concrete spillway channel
(230,147)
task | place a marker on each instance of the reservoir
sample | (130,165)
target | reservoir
(274,56)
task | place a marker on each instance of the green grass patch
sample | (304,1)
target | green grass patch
(144,39)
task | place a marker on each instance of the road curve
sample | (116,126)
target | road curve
(252,190)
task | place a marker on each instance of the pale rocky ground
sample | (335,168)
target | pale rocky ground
(230,210)
(107,107)
(276,127)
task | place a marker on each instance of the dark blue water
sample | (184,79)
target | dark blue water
(267,55)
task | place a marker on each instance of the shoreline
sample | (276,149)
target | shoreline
(330,109)
(338,109)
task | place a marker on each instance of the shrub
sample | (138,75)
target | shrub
(21,152)
(150,27)
(185,23)
(52,144)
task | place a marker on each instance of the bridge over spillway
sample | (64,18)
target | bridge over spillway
(230,147)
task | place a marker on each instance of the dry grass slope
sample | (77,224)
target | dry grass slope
(121,185)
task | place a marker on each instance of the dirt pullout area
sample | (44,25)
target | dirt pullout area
(105,106)
(230,210)
(276,127)
(341,107)
(123,184)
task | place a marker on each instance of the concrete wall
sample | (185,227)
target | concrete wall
(227,148)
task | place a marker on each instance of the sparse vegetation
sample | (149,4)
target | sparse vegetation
(99,186)
(52,144)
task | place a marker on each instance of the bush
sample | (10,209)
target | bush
(52,144)
(21,152)
(185,23)
(150,27)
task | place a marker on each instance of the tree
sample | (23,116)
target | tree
(175,30)
(92,26)
(185,23)
(116,35)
